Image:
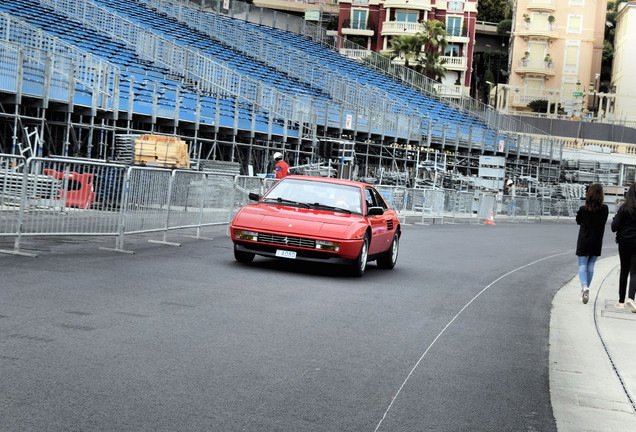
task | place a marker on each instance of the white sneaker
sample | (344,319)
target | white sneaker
(586,295)
(630,304)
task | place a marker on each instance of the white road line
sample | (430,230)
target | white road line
(453,320)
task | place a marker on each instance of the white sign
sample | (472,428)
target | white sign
(226,4)
(312,15)
(501,145)
(348,121)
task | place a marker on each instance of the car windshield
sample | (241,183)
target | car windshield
(317,194)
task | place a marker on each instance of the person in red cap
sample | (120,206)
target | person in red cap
(282,167)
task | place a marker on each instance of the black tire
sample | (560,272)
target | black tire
(360,263)
(389,259)
(243,257)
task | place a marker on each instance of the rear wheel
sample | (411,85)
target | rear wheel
(360,263)
(242,257)
(389,258)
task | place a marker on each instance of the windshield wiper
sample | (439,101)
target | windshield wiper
(286,201)
(325,206)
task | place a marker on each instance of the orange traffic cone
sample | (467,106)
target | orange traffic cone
(490,220)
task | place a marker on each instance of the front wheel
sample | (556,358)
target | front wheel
(243,257)
(360,263)
(389,258)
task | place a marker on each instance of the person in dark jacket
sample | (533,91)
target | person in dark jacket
(592,218)
(624,225)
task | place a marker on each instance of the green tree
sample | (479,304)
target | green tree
(408,47)
(539,105)
(608,44)
(434,38)
(423,51)
(494,10)
(504,26)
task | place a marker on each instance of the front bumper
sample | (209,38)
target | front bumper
(301,254)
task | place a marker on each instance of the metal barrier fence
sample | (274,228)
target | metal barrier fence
(70,197)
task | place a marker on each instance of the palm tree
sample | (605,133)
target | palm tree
(434,38)
(407,47)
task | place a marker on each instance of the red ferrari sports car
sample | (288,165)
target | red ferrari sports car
(318,219)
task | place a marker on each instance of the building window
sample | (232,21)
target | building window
(455,5)
(452,50)
(575,23)
(404,16)
(540,21)
(534,86)
(571,61)
(359,19)
(537,53)
(454,26)
(577,2)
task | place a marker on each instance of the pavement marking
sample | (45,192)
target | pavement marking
(394,398)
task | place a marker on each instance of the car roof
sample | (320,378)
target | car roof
(329,180)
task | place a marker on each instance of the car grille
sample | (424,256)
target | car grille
(389,224)
(287,240)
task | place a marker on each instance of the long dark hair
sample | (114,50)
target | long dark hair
(594,198)
(629,205)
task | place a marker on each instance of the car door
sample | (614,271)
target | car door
(381,235)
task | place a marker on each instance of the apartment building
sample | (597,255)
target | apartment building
(372,24)
(556,52)
(625,62)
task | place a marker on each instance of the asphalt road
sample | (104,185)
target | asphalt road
(455,338)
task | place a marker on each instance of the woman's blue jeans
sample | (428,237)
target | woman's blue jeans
(586,269)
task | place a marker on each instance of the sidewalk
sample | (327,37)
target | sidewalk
(585,363)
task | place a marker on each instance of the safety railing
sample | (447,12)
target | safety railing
(208,74)
(67,197)
(49,67)
(42,197)
(286,58)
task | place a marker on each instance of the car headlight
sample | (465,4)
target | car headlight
(246,235)
(327,245)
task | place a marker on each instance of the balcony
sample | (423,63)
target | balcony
(455,63)
(408,4)
(535,67)
(455,92)
(457,35)
(542,5)
(356,54)
(526,95)
(391,28)
(544,31)
(357,28)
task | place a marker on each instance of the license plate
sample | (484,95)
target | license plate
(285,254)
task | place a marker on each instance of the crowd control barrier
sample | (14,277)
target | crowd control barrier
(78,197)
(69,197)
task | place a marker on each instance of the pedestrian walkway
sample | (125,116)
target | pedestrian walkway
(593,356)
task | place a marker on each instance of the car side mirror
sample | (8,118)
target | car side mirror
(254,196)
(375,211)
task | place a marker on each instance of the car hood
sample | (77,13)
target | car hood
(296,221)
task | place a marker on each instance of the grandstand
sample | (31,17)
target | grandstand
(83,72)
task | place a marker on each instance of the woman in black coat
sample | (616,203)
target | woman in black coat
(624,225)
(592,218)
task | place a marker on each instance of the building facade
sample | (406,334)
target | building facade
(556,52)
(373,24)
(625,62)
